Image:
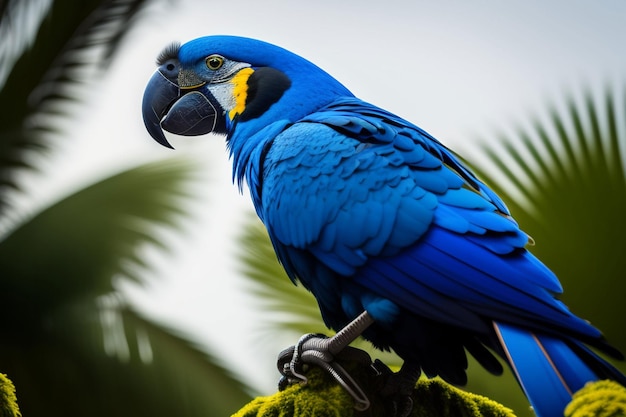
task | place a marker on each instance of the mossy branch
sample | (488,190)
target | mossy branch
(323,397)
(8,400)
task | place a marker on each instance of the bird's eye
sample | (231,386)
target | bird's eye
(214,62)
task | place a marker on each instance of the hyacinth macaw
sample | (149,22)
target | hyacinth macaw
(378,219)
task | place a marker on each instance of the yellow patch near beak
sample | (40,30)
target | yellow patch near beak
(240,91)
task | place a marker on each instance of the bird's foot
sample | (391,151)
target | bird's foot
(319,350)
(391,391)
(313,350)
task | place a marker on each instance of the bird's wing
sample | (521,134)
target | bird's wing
(341,185)
(379,200)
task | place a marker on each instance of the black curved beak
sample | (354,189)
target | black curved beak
(159,95)
(187,112)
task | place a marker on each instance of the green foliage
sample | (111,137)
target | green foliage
(73,39)
(564,181)
(70,342)
(96,233)
(570,175)
(102,358)
(271,287)
(8,400)
(69,334)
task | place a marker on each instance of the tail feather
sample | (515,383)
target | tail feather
(551,369)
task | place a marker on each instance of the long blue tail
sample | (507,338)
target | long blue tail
(551,369)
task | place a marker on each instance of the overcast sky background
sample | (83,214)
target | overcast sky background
(459,69)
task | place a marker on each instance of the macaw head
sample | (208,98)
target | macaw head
(215,83)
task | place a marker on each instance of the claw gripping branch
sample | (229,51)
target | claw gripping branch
(323,397)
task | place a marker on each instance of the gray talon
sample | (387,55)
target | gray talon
(319,350)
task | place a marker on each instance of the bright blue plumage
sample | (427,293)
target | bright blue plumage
(371,213)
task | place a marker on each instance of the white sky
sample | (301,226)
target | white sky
(459,69)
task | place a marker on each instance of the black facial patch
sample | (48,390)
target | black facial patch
(265,86)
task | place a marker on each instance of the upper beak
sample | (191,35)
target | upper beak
(187,112)
(160,93)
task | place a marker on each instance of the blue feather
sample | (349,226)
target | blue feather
(547,368)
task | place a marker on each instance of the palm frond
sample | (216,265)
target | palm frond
(571,198)
(287,306)
(19,21)
(73,42)
(78,246)
(70,343)
(71,335)
(109,360)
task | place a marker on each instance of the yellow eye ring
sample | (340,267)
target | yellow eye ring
(214,62)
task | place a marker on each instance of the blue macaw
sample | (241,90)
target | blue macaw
(378,219)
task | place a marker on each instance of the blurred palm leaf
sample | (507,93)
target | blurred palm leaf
(287,307)
(102,358)
(71,335)
(573,200)
(72,43)
(565,183)
(75,248)
(69,341)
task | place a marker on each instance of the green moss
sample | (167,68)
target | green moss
(323,397)
(8,400)
(317,398)
(437,398)
(598,399)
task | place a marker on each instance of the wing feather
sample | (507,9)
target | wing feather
(377,199)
